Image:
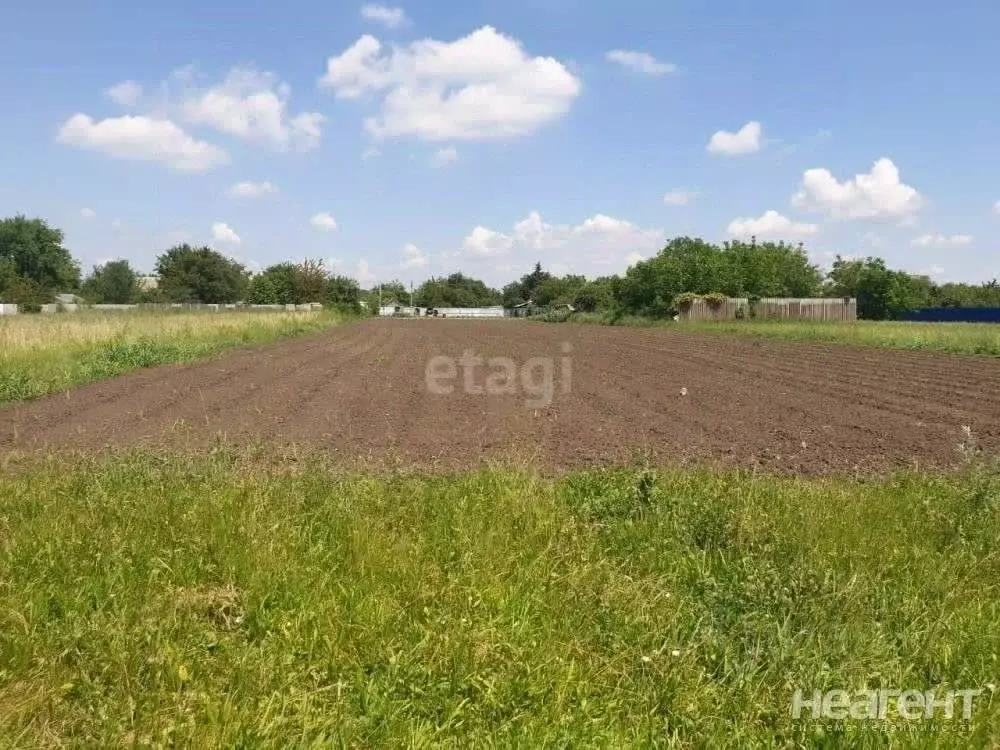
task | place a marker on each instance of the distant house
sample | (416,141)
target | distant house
(148,283)
(389,308)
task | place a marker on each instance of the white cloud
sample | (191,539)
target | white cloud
(252,106)
(222,232)
(996,208)
(370,153)
(142,138)
(597,245)
(482,86)
(333,265)
(876,195)
(632,258)
(363,273)
(485,243)
(679,197)
(640,62)
(126,93)
(933,272)
(251,189)
(324,222)
(444,156)
(390,17)
(117,224)
(745,141)
(414,257)
(771,225)
(936,239)
(88,213)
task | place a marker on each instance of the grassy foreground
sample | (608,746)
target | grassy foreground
(952,338)
(41,354)
(218,602)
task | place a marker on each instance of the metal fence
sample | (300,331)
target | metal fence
(774,308)
(954,315)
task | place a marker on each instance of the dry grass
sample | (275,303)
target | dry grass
(44,354)
(39,333)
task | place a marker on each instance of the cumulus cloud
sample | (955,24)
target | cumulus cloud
(252,189)
(142,138)
(482,86)
(324,222)
(253,106)
(390,17)
(936,239)
(485,243)
(88,213)
(126,93)
(444,156)
(413,257)
(598,245)
(222,232)
(640,62)
(744,141)
(878,194)
(770,225)
(678,197)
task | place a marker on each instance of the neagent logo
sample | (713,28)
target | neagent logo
(536,377)
(883,704)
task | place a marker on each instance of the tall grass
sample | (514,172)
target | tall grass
(225,603)
(43,354)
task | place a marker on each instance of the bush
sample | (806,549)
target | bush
(715,300)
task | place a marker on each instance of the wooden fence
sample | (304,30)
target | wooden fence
(773,308)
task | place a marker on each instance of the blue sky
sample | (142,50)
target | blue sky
(409,140)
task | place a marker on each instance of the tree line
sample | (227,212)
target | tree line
(34,266)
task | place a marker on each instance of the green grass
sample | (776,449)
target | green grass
(229,602)
(952,338)
(40,355)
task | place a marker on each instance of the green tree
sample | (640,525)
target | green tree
(32,250)
(310,281)
(275,285)
(189,274)
(456,290)
(343,294)
(113,283)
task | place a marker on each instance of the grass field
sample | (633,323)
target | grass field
(44,354)
(233,601)
(952,338)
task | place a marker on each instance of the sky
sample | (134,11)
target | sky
(414,140)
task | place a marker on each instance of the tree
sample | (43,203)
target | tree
(456,290)
(113,283)
(189,274)
(275,285)
(32,250)
(343,294)
(310,281)
(526,289)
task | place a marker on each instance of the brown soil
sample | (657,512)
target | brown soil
(359,393)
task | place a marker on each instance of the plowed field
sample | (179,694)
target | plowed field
(360,393)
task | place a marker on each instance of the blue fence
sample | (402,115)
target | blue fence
(954,315)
